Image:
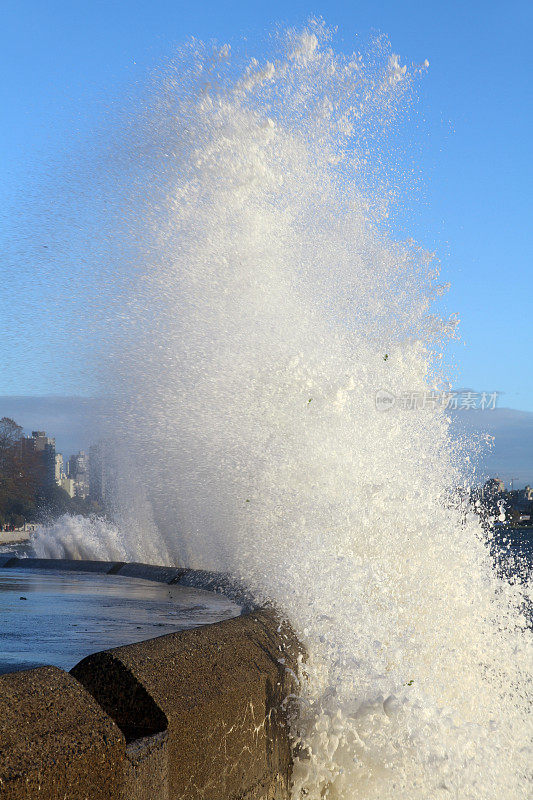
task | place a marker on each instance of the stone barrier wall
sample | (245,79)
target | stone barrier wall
(201,713)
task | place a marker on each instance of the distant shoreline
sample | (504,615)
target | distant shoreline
(14,537)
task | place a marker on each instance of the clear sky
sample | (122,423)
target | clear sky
(60,61)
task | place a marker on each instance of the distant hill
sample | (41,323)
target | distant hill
(512,453)
(71,421)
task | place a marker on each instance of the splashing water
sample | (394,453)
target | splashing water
(249,295)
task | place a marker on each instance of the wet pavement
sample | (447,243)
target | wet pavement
(57,617)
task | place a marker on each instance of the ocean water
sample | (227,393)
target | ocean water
(512,550)
(246,301)
(58,617)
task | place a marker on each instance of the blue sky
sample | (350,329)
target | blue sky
(61,62)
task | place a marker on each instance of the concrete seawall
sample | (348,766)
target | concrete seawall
(201,713)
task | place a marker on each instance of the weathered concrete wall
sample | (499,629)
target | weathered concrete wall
(55,740)
(196,714)
(218,691)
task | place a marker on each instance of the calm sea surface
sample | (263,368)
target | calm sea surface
(58,618)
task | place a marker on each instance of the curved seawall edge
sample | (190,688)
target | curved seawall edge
(199,713)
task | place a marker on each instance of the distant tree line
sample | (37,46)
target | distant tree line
(25,493)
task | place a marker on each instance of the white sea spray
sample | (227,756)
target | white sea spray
(252,304)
